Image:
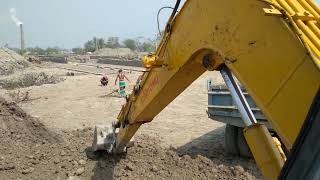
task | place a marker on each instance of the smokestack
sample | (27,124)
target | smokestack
(19,24)
(22,37)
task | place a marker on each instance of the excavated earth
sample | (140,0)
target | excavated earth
(30,151)
(17,72)
(55,142)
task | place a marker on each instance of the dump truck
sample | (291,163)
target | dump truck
(222,108)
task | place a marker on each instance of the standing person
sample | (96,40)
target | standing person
(122,84)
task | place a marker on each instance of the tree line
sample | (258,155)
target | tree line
(40,51)
(146,45)
(139,44)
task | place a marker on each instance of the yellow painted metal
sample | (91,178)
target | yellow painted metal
(309,8)
(299,14)
(148,61)
(312,38)
(313,5)
(310,24)
(163,84)
(124,136)
(277,63)
(272,12)
(278,145)
(264,150)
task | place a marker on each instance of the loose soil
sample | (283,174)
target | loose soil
(50,137)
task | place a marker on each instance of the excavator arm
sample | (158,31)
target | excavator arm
(272,47)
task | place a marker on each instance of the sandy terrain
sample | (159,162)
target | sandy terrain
(81,102)
(182,131)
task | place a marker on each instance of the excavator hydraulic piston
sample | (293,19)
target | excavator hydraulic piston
(260,141)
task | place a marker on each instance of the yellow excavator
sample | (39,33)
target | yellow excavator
(271,46)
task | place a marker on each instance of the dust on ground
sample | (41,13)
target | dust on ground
(50,137)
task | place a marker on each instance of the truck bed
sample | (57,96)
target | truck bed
(222,108)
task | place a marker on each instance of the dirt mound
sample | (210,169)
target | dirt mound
(148,160)
(117,53)
(16,124)
(30,151)
(30,78)
(16,72)
(11,62)
(68,160)
(18,134)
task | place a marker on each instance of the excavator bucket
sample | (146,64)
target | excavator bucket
(104,138)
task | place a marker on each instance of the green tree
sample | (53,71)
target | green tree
(113,42)
(89,46)
(101,43)
(130,43)
(147,47)
(36,51)
(78,50)
(53,50)
(94,44)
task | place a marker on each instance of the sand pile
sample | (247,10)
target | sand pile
(11,62)
(17,72)
(117,53)
(35,77)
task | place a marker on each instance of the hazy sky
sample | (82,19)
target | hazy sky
(69,23)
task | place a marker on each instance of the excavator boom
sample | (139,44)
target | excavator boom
(272,47)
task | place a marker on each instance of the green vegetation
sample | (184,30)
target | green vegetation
(146,45)
(130,43)
(99,43)
(40,51)
(78,50)
(139,44)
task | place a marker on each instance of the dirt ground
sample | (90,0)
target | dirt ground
(50,136)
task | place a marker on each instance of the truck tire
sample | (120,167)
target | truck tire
(242,144)
(230,139)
